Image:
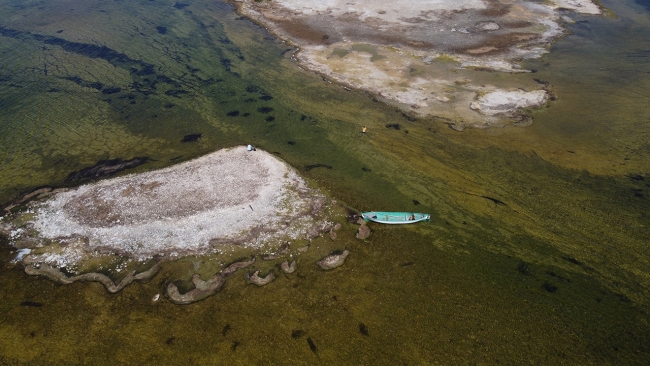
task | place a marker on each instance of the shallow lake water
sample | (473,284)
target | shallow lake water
(537,248)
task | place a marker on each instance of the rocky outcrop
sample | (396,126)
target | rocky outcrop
(363,231)
(333,260)
(231,268)
(203,289)
(259,281)
(288,268)
(56,275)
(284,249)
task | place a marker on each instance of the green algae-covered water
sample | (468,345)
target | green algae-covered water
(537,252)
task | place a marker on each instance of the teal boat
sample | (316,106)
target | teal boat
(395,217)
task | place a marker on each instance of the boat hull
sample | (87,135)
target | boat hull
(395,218)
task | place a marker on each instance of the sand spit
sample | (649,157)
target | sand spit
(401,50)
(231,197)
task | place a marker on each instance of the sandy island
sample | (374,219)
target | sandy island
(400,50)
(229,197)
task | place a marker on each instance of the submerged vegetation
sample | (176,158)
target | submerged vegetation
(537,247)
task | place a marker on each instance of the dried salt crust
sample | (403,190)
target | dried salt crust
(374,45)
(197,207)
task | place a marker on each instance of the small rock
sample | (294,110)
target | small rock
(363,232)
(288,268)
(524,122)
(230,269)
(259,281)
(332,234)
(460,127)
(335,259)
(270,257)
(285,248)
(337,226)
(155,298)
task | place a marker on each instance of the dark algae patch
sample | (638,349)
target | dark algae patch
(234,345)
(109,91)
(105,168)
(314,166)
(363,329)
(549,287)
(312,345)
(225,330)
(523,268)
(193,137)
(31,304)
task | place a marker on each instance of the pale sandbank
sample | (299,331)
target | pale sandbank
(232,197)
(400,50)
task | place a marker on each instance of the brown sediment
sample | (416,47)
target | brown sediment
(495,9)
(303,33)
(498,44)
(482,50)
(516,24)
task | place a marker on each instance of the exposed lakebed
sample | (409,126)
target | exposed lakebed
(233,200)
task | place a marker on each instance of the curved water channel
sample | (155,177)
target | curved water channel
(536,251)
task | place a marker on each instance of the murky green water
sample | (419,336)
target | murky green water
(536,253)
